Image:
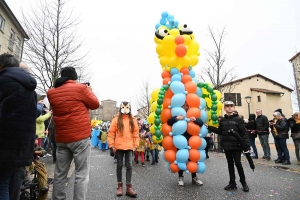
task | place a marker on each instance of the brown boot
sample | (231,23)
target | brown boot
(130,192)
(120,189)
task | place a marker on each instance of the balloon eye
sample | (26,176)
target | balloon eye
(161,33)
(186,30)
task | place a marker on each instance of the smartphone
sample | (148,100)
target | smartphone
(42,97)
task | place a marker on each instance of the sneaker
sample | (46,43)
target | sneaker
(230,187)
(180,181)
(115,160)
(286,162)
(136,162)
(48,154)
(279,161)
(245,187)
(197,181)
(153,163)
(263,157)
(143,164)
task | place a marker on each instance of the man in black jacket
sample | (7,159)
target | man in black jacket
(233,148)
(262,130)
(17,106)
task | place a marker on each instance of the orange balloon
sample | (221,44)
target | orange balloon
(190,87)
(166,80)
(193,129)
(186,78)
(170,155)
(166,114)
(166,129)
(166,103)
(195,142)
(180,50)
(179,39)
(193,112)
(169,93)
(174,168)
(192,167)
(185,71)
(192,100)
(165,74)
(194,155)
(167,142)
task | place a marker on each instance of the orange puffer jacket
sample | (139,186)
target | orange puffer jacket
(125,140)
(70,105)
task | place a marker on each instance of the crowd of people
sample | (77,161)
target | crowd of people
(127,137)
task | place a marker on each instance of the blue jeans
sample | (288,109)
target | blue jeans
(282,148)
(10,182)
(154,154)
(252,143)
(45,144)
(264,141)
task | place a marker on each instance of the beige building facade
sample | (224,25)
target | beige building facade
(12,35)
(266,94)
(295,60)
(106,111)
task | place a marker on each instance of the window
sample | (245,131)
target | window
(2,21)
(11,40)
(18,46)
(258,99)
(234,97)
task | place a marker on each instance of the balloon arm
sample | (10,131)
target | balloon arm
(172,121)
(199,122)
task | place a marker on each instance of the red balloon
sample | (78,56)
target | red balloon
(170,155)
(165,74)
(179,39)
(186,78)
(180,50)
(165,115)
(194,155)
(193,112)
(190,87)
(185,71)
(174,168)
(195,142)
(166,103)
(167,143)
(193,129)
(169,93)
(166,80)
(166,129)
(192,100)
(192,167)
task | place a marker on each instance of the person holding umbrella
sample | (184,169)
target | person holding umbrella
(234,141)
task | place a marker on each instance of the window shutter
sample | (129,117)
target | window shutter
(238,99)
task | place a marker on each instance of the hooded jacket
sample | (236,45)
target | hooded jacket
(282,128)
(18,109)
(251,126)
(295,126)
(262,125)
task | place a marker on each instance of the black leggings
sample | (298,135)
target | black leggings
(180,173)
(234,157)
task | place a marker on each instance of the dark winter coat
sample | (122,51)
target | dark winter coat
(18,110)
(295,127)
(173,120)
(262,125)
(251,126)
(229,142)
(282,129)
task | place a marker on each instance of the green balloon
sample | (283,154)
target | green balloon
(159,106)
(201,84)
(215,122)
(214,102)
(209,89)
(166,87)
(214,107)
(214,117)
(160,101)
(157,122)
(158,133)
(214,97)
(158,111)
(213,112)
(156,127)
(161,92)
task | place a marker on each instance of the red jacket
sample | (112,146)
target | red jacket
(70,105)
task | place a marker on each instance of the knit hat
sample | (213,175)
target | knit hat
(279,110)
(69,72)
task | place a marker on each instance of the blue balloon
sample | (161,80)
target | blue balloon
(176,23)
(163,21)
(199,93)
(204,116)
(171,21)
(174,71)
(201,168)
(203,131)
(179,128)
(202,155)
(192,73)
(203,144)
(157,26)
(163,156)
(178,100)
(178,111)
(168,167)
(180,142)
(176,77)
(177,87)
(170,17)
(202,102)
(182,166)
(164,14)
(182,156)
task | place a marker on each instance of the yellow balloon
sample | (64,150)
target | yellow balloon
(208,102)
(173,61)
(153,106)
(204,91)
(152,129)
(194,60)
(169,41)
(151,118)
(193,46)
(219,106)
(154,94)
(163,61)
(209,115)
(150,100)
(187,40)
(159,49)
(174,32)
(219,95)
(185,61)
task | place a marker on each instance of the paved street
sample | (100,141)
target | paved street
(155,182)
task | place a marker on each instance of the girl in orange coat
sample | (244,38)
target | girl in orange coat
(123,137)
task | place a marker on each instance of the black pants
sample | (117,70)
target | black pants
(180,173)
(234,157)
(208,145)
(128,163)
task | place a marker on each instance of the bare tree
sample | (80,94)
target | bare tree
(215,69)
(53,43)
(295,86)
(142,100)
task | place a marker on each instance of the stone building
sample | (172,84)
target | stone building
(106,111)
(12,34)
(295,60)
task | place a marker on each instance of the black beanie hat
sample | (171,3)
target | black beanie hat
(279,110)
(69,72)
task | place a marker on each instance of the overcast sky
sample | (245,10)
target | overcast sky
(261,37)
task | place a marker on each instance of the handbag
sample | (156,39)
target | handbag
(295,136)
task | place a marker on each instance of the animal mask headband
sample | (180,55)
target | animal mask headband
(125,107)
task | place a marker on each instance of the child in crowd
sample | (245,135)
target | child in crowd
(141,148)
(147,138)
(103,138)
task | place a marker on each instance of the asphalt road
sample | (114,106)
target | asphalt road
(156,182)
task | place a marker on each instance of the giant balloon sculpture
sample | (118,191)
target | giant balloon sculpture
(178,55)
